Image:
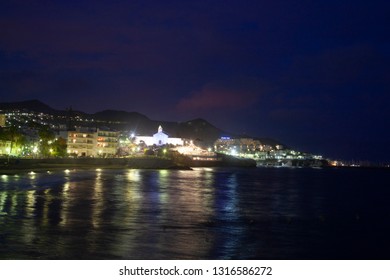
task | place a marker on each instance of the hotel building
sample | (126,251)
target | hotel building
(87,142)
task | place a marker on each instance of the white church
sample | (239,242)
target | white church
(159,139)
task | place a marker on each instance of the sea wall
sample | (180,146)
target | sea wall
(144,162)
(135,162)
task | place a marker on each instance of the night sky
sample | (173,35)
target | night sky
(312,74)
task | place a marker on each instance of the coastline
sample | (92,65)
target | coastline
(17,165)
(40,165)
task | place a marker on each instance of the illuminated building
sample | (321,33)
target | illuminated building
(87,142)
(81,142)
(107,142)
(159,139)
(240,145)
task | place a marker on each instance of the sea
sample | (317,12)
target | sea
(200,214)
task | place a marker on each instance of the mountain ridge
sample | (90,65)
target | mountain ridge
(198,129)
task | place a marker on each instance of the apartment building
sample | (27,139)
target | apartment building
(107,142)
(87,142)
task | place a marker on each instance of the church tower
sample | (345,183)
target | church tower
(160,138)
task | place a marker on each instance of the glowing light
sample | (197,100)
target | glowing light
(67,171)
(133,175)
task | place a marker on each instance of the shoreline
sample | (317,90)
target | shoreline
(19,165)
(51,169)
(41,165)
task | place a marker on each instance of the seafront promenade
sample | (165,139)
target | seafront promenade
(16,165)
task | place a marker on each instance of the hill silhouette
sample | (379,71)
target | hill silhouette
(200,130)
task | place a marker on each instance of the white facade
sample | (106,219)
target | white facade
(148,140)
(159,139)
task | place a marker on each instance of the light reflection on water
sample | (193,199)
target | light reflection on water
(200,214)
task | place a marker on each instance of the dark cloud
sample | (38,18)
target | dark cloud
(218,97)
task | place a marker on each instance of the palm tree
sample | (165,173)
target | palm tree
(46,138)
(13,135)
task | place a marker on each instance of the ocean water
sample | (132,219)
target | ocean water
(205,213)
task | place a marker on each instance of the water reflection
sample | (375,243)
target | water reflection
(3,197)
(98,200)
(171,214)
(148,214)
(65,204)
(114,214)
